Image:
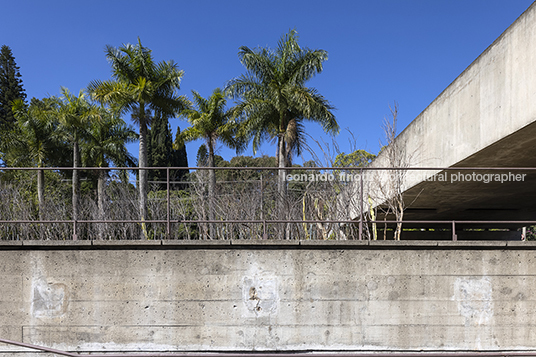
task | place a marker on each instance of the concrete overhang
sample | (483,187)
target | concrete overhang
(478,195)
(485,118)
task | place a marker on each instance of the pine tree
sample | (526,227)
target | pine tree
(10,88)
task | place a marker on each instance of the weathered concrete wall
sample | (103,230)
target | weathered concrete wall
(221,297)
(490,100)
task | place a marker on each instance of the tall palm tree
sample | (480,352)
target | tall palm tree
(105,145)
(33,140)
(74,113)
(274,102)
(211,122)
(140,86)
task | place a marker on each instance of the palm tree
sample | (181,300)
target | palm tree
(140,86)
(105,144)
(212,123)
(33,140)
(274,103)
(74,113)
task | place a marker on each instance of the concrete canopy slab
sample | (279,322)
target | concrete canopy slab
(486,118)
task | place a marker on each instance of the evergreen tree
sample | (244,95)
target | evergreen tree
(202,156)
(179,159)
(10,90)
(162,154)
(159,151)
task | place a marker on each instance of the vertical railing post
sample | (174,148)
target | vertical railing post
(168,223)
(454,236)
(75,203)
(361,205)
(264,235)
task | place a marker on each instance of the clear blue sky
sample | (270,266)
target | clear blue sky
(380,51)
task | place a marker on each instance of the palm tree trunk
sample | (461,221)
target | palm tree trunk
(76,188)
(100,201)
(143,173)
(40,191)
(282,186)
(211,190)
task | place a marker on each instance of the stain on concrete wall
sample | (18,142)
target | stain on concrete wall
(260,295)
(474,297)
(49,299)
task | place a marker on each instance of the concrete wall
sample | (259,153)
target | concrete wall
(491,99)
(276,296)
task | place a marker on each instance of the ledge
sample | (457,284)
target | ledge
(263,244)
(55,243)
(125,243)
(195,243)
(473,244)
(334,243)
(521,244)
(403,243)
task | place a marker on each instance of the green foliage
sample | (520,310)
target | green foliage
(358,158)
(211,122)
(139,84)
(34,140)
(179,158)
(233,176)
(202,156)
(10,90)
(105,141)
(162,154)
(273,101)
(142,87)
(531,233)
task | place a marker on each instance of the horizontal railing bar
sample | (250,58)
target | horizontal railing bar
(269,221)
(353,168)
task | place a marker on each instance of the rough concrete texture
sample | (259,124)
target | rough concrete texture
(188,298)
(490,100)
(485,118)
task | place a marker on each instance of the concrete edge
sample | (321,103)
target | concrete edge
(334,243)
(55,243)
(269,244)
(125,243)
(11,243)
(403,243)
(521,244)
(472,244)
(264,242)
(194,243)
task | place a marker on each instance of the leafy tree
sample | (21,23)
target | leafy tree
(246,175)
(210,122)
(274,101)
(140,86)
(10,90)
(358,158)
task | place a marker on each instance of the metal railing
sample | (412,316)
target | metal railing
(360,218)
